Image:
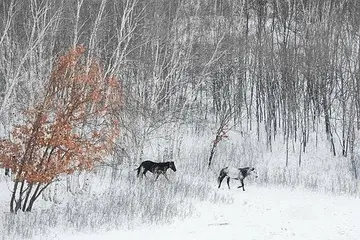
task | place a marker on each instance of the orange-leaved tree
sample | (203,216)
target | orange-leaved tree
(71,127)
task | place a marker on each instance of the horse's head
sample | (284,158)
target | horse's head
(172,166)
(252,172)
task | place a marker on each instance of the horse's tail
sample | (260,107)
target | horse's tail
(221,176)
(138,171)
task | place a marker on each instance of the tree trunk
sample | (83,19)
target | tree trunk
(13,196)
(27,197)
(352,155)
(33,198)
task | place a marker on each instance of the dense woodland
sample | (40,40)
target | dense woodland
(288,67)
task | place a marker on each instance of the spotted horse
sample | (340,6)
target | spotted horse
(237,174)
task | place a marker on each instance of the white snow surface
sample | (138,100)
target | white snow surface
(258,213)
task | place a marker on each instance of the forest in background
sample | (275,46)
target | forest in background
(272,84)
(283,69)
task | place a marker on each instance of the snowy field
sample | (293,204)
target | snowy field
(282,203)
(257,213)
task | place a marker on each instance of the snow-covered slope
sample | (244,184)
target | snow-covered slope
(258,213)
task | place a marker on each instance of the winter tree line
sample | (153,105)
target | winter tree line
(291,67)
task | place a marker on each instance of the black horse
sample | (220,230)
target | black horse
(156,168)
(236,173)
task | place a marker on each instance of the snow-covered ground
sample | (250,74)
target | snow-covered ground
(191,207)
(258,213)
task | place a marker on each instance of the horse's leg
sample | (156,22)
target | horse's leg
(144,172)
(228,181)
(157,176)
(242,184)
(166,177)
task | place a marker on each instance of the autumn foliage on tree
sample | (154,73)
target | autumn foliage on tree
(70,128)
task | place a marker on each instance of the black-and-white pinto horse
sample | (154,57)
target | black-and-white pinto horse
(156,168)
(237,174)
